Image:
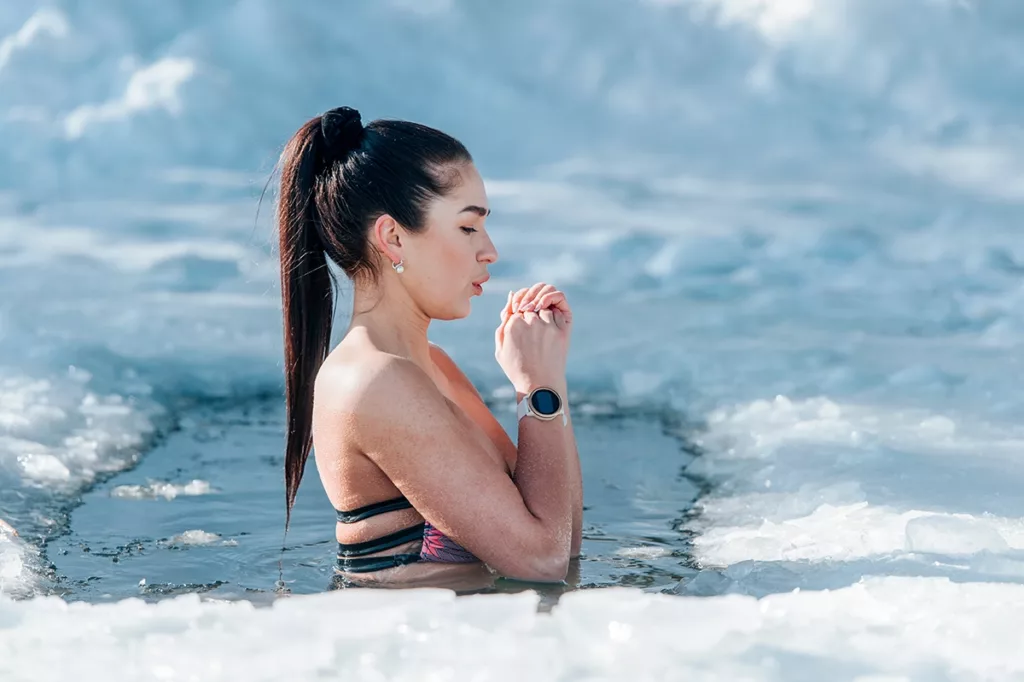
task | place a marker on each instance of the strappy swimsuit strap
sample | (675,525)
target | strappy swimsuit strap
(399,537)
(352,557)
(376,563)
(373,509)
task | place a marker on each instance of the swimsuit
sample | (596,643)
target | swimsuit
(436,547)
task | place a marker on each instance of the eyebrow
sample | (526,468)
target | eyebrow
(479,210)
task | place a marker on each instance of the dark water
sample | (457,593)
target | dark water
(635,493)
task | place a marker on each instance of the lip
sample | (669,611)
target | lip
(481,281)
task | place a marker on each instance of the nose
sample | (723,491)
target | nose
(488,254)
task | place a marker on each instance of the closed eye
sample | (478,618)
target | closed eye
(468,230)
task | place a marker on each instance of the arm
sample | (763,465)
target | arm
(538,297)
(480,414)
(522,529)
(575,474)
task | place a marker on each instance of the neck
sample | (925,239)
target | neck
(393,322)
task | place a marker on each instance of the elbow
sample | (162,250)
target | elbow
(549,566)
(554,569)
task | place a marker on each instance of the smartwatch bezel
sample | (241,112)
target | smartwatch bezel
(559,403)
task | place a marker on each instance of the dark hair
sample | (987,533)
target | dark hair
(337,178)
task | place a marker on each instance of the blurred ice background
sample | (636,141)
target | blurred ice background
(793,222)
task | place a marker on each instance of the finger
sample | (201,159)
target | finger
(535,292)
(537,295)
(507,310)
(502,330)
(559,318)
(546,315)
(517,298)
(557,301)
(554,299)
(530,294)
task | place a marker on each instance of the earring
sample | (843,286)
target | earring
(399,268)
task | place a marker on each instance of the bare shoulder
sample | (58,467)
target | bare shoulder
(441,358)
(348,379)
(451,370)
(377,407)
(363,384)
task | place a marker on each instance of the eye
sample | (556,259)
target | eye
(468,230)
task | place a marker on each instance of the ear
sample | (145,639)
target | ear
(387,237)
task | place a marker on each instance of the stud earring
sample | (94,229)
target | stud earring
(399,268)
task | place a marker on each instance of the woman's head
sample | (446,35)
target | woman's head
(441,259)
(369,198)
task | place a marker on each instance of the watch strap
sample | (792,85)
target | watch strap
(521,409)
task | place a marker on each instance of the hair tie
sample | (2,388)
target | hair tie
(342,129)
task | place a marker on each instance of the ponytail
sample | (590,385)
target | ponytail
(307,296)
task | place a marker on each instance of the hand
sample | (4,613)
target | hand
(534,299)
(532,340)
(539,297)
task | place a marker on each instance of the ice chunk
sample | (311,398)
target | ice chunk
(44,467)
(953,535)
(195,537)
(164,489)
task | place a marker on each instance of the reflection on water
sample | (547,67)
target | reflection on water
(474,579)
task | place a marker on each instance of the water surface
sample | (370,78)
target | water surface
(203,512)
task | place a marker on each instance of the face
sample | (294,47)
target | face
(444,261)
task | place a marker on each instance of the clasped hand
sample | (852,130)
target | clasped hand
(532,340)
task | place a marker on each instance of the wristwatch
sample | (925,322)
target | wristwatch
(542,403)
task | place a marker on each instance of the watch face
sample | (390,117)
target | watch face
(545,401)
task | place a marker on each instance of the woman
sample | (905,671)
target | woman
(424,478)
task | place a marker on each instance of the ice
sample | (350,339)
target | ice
(44,468)
(885,628)
(825,492)
(164,489)
(10,554)
(10,566)
(959,534)
(195,537)
(57,433)
(643,552)
(20,564)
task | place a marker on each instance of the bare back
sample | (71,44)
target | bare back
(350,477)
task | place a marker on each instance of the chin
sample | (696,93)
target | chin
(452,309)
(467,308)
(452,314)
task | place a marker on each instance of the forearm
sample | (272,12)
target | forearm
(545,475)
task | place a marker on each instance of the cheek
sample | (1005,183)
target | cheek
(455,261)
(446,274)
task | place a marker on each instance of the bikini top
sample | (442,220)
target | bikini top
(435,547)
